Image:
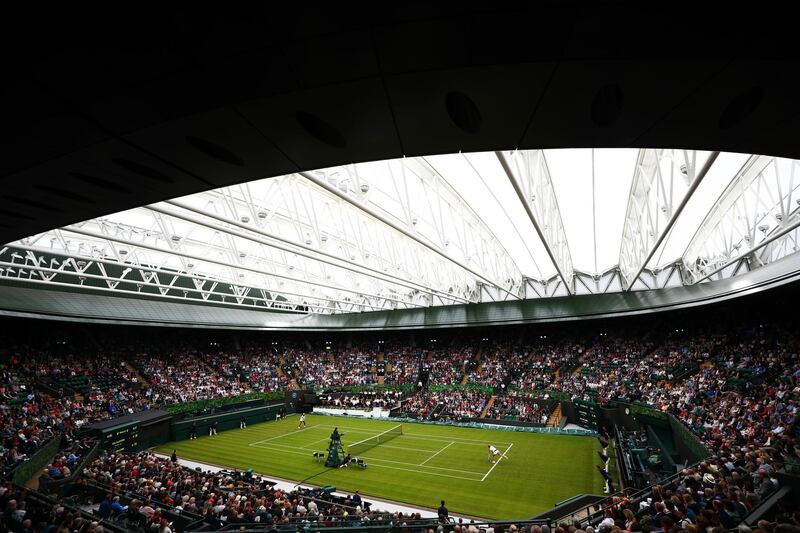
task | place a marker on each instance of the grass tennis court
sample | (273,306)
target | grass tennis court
(424,465)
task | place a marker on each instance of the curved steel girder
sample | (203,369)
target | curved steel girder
(199,282)
(399,229)
(255,235)
(300,212)
(128,242)
(761,205)
(652,209)
(534,189)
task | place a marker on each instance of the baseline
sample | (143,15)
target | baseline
(281,436)
(497,462)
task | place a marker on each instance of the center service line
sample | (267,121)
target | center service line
(437,453)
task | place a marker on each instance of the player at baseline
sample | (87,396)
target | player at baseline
(494,454)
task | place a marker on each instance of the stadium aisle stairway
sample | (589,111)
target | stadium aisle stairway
(130,368)
(204,362)
(477,358)
(488,406)
(555,416)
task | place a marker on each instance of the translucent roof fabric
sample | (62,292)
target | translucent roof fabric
(450,229)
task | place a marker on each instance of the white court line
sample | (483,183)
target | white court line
(281,436)
(402,448)
(391,467)
(293,449)
(439,439)
(437,453)
(496,462)
(426,466)
(469,442)
(316,441)
(273,444)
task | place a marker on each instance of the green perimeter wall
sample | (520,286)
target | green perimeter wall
(687,442)
(180,430)
(34,465)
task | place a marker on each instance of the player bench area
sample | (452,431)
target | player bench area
(441,456)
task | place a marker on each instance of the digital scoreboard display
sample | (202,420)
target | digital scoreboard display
(122,438)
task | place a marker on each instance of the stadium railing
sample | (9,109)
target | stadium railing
(185,519)
(181,518)
(43,499)
(407,526)
(34,464)
(592,514)
(56,485)
(766,506)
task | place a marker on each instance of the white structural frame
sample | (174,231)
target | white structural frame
(292,211)
(235,228)
(481,253)
(528,173)
(396,234)
(62,270)
(754,222)
(663,183)
(317,239)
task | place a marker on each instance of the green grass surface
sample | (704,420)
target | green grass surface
(426,464)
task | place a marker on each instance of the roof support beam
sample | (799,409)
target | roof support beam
(115,281)
(80,231)
(298,210)
(755,248)
(659,178)
(760,206)
(294,247)
(146,268)
(377,216)
(547,219)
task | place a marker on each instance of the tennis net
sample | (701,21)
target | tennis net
(364,445)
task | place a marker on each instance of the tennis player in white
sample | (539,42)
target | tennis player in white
(302,420)
(494,454)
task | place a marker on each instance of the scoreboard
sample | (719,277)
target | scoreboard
(587,415)
(133,431)
(120,438)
